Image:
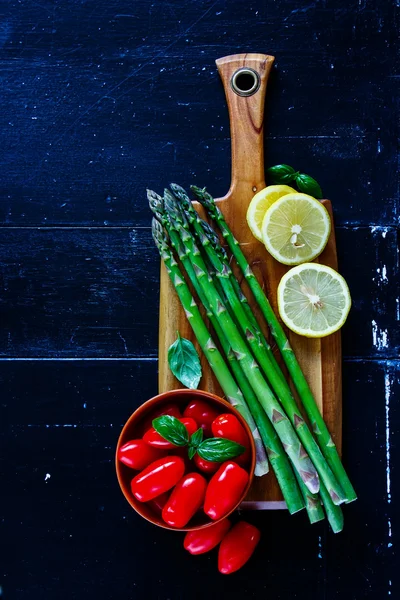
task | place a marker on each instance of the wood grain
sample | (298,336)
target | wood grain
(109,103)
(81,292)
(99,101)
(320,360)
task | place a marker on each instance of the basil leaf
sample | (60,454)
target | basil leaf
(281,173)
(171,429)
(196,438)
(308,185)
(194,443)
(219,449)
(191,452)
(184,362)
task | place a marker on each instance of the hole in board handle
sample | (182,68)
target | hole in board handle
(245,82)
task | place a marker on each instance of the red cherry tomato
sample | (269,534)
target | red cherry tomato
(237,547)
(159,477)
(207,466)
(136,454)
(229,427)
(167,409)
(185,500)
(158,503)
(154,439)
(202,413)
(224,490)
(200,541)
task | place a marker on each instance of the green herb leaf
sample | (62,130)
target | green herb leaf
(191,452)
(308,185)
(184,362)
(171,429)
(197,438)
(219,449)
(281,174)
(194,443)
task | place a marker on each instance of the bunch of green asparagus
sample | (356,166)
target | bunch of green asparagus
(305,461)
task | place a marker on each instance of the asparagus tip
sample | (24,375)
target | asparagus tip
(158,233)
(203,196)
(170,202)
(184,200)
(155,202)
(179,191)
(211,235)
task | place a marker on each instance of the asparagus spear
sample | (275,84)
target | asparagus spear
(201,332)
(314,507)
(276,454)
(313,503)
(333,512)
(275,413)
(278,458)
(318,424)
(252,334)
(220,251)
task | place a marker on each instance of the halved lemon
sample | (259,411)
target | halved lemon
(313,300)
(261,202)
(296,228)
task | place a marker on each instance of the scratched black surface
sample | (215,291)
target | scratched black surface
(99,100)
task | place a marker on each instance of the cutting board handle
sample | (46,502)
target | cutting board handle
(245,78)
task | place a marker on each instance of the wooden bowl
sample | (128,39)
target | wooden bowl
(133,430)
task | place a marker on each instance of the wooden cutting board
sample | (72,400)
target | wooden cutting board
(319,359)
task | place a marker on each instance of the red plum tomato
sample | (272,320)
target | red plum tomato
(136,454)
(202,413)
(203,540)
(228,426)
(159,477)
(237,547)
(185,500)
(158,503)
(183,453)
(155,440)
(167,409)
(207,466)
(224,490)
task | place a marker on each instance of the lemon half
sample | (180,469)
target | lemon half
(261,202)
(313,300)
(296,228)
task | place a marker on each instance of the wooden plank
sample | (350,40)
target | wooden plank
(99,101)
(78,292)
(75,393)
(109,104)
(75,292)
(59,555)
(372,388)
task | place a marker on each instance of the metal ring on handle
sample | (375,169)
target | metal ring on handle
(245,82)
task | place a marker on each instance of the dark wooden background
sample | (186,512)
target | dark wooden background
(100,99)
